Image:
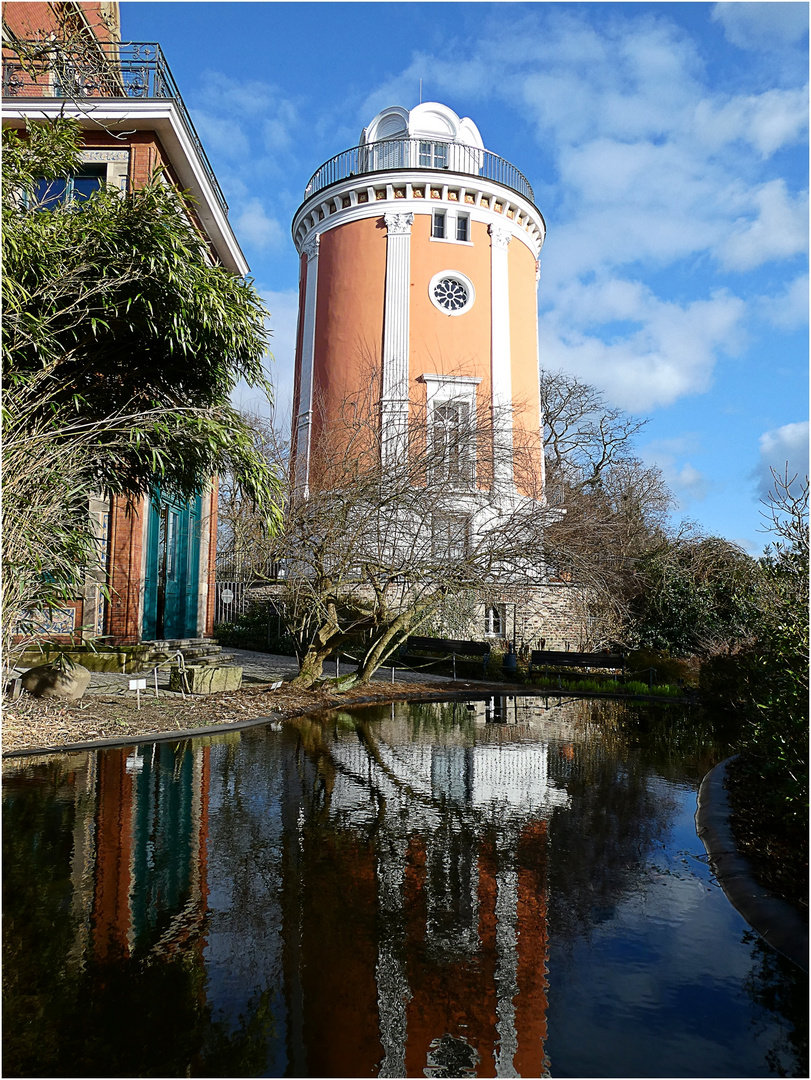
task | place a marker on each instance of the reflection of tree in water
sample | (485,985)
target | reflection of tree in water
(618,812)
(781,988)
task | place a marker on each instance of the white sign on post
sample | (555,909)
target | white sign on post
(138,685)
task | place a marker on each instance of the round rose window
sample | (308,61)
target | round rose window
(451,292)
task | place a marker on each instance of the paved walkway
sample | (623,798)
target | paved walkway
(257,667)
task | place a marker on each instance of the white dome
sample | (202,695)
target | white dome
(430,119)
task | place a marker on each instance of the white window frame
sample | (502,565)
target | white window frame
(451,218)
(441,524)
(444,390)
(490,630)
(464,280)
(439,225)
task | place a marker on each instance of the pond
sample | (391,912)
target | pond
(510,887)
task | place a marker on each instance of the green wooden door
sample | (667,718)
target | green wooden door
(172,577)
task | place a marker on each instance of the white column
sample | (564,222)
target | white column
(304,420)
(540,406)
(394,400)
(500,374)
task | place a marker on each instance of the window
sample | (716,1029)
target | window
(451,292)
(433,155)
(452,442)
(77,188)
(450,226)
(451,536)
(493,622)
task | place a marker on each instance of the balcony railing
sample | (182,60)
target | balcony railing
(416,153)
(91,72)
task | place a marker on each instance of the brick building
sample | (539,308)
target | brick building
(158,561)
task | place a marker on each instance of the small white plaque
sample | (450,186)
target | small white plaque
(137,684)
(227,596)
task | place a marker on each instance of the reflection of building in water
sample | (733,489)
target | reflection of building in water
(439,924)
(139,853)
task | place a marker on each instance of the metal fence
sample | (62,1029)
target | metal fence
(230,600)
(129,69)
(416,153)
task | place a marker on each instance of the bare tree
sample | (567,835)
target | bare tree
(384,535)
(616,507)
(583,436)
(786,511)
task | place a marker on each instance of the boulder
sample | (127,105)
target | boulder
(47,680)
(205,678)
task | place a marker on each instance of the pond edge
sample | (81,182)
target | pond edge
(777,922)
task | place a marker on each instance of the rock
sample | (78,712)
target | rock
(50,681)
(206,678)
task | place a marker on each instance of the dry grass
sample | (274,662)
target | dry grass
(36,723)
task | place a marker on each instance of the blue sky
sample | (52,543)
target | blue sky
(667,147)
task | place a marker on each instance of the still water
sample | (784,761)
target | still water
(501,888)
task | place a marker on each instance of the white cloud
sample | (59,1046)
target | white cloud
(763,25)
(787,310)
(280,366)
(784,449)
(256,228)
(642,351)
(768,121)
(779,231)
(222,135)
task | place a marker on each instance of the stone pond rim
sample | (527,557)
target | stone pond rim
(779,923)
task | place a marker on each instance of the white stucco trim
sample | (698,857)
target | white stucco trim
(325,209)
(396,337)
(304,419)
(501,357)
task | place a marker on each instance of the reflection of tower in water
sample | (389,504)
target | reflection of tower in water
(439,921)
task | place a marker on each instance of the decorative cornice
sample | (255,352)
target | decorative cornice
(310,249)
(499,237)
(359,197)
(399,224)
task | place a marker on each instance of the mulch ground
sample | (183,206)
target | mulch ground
(779,859)
(36,723)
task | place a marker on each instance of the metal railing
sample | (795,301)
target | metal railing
(129,69)
(249,565)
(417,153)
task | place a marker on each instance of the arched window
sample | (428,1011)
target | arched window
(493,624)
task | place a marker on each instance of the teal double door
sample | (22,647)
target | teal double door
(172,577)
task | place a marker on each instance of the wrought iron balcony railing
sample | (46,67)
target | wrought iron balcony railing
(417,153)
(84,71)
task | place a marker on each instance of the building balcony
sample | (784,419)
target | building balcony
(414,153)
(89,74)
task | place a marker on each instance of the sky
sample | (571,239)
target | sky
(667,147)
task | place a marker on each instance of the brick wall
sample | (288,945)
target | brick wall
(126,550)
(212,558)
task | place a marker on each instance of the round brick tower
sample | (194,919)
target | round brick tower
(419,268)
